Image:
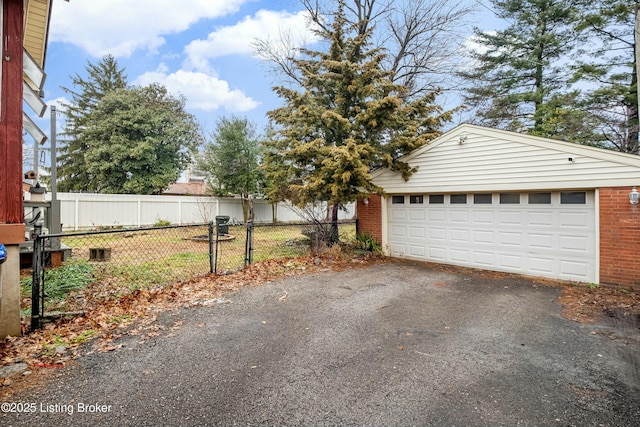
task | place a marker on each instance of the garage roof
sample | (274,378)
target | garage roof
(472,158)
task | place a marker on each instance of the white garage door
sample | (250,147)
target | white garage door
(550,234)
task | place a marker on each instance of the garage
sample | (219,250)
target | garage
(549,234)
(498,200)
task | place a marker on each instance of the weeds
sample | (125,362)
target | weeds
(367,242)
(59,282)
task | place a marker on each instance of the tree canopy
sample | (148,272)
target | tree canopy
(231,160)
(515,73)
(347,118)
(140,140)
(608,65)
(103,77)
(562,69)
(122,139)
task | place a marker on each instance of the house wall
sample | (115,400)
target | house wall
(619,238)
(475,159)
(370,217)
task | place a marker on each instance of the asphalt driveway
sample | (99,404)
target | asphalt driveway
(395,344)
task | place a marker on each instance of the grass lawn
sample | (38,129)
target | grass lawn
(157,258)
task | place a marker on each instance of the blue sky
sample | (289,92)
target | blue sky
(199,48)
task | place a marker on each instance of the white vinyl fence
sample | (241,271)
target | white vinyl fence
(87,211)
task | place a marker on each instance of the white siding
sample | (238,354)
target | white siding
(492,160)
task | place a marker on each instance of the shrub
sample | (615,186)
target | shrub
(367,242)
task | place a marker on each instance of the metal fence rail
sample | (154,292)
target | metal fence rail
(122,261)
(284,240)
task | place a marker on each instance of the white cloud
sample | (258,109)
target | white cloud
(238,39)
(472,44)
(120,27)
(203,92)
(59,103)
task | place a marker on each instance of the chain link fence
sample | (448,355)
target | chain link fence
(117,262)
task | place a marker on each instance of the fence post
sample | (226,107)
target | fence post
(248,244)
(37,276)
(211,262)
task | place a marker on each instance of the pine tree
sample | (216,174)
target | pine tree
(231,160)
(347,118)
(609,64)
(518,75)
(102,78)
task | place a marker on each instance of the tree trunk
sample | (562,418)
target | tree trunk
(333,234)
(247,208)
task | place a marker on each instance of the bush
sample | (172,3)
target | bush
(367,242)
(162,223)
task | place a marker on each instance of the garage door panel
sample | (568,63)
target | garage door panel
(509,218)
(436,215)
(483,217)
(510,261)
(437,233)
(484,259)
(458,216)
(552,240)
(541,241)
(459,256)
(417,251)
(416,232)
(437,253)
(541,265)
(573,269)
(510,238)
(540,219)
(398,231)
(398,249)
(484,236)
(575,220)
(417,215)
(459,235)
(398,214)
(575,243)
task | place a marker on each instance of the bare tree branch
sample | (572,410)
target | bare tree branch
(420,38)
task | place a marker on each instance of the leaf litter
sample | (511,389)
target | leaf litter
(111,313)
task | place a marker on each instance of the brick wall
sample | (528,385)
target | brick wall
(370,217)
(619,238)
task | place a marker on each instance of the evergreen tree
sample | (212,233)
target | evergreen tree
(102,78)
(519,75)
(139,140)
(609,64)
(231,160)
(347,118)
